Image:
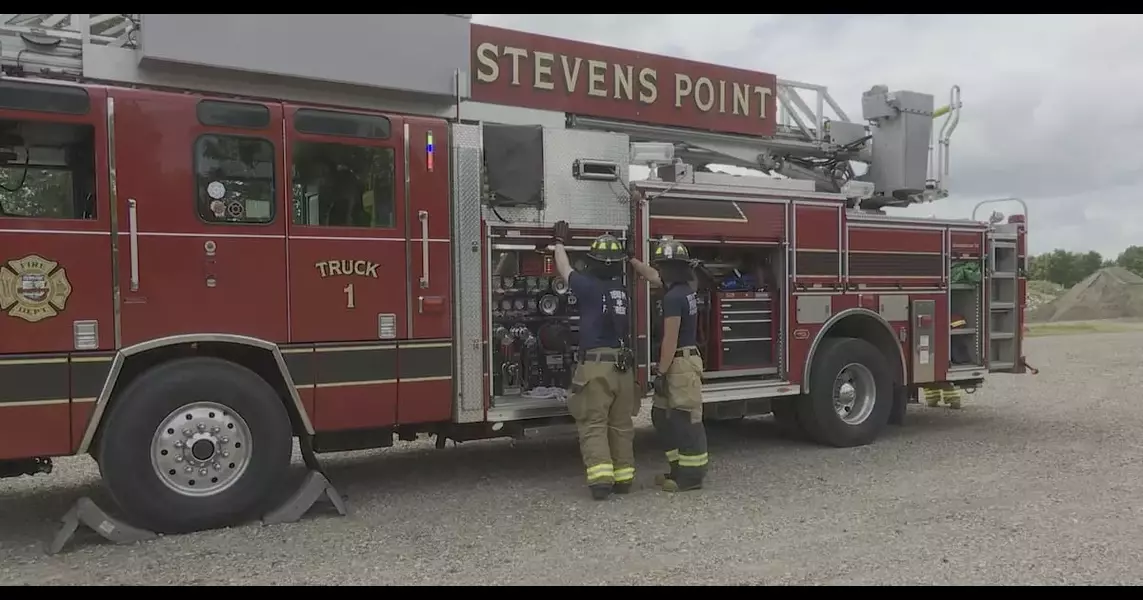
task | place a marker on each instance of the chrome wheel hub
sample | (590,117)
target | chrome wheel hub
(854,394)
(201,449)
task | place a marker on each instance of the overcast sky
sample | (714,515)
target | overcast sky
(1052,109)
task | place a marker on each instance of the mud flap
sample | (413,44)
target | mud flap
(87,513)
(900,401)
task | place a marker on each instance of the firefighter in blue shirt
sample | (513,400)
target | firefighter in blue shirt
(677,377)
(602,400)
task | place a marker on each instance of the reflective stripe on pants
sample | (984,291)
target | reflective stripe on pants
(601,473)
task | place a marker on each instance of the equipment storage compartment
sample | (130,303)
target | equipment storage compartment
(739,311)
(966,314)
(534,326)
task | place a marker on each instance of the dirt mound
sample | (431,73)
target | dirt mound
(1110,293)
(1041,293)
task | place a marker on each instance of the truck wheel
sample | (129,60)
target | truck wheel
(851,394)
(195,443)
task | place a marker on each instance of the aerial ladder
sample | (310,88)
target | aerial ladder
(53,45)
(907,159)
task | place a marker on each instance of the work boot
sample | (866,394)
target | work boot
(601,491)
(662,478)
(672,486)
(621,488)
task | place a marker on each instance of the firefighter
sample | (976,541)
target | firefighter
(677,377)
(602,400)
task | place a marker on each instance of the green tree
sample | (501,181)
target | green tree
(32,192)
(1131,259)
(1063,267)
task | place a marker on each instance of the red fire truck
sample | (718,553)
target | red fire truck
(195,271)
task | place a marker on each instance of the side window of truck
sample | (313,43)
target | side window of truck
(234,179)
(47,169)
(343,184)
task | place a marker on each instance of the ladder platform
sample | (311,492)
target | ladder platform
(87,513)
(314,488)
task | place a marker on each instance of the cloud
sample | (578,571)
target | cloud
(1051,109)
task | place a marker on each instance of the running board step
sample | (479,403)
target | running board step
(731,391)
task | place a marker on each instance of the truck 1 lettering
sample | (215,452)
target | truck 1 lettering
(521,69)
(359,268)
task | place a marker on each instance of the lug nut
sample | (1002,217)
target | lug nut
(187,432)
(178,459)
(189,470)
(178,444)
(201,427)
(202,472)
(214,430)
(225,455)
(225,440)
(217,467)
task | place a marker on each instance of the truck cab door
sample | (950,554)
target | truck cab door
(56,284)
(346,233)
(55,223)
(348,262)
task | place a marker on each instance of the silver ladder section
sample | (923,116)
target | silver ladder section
(939,160)
(1005,270)
(53,44)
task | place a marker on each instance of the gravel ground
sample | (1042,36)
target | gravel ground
(1035,481)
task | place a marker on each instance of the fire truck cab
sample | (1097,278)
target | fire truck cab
(199,265)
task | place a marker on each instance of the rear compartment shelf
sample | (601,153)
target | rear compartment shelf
(966,315)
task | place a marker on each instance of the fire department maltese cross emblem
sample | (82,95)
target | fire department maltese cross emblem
(33,289)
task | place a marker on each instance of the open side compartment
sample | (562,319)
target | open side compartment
(966,314)
(534,333)
(739,319)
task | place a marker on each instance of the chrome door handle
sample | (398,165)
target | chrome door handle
(423,215)
(133,240)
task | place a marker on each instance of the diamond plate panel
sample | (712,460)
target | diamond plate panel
(467,310)
(587,204)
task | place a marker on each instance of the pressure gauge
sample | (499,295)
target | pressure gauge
(572,300)
(531,305)
(519,304)
(549,304)
(559,286)
(506,304)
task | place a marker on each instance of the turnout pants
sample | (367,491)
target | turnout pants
(602,401)
(677,418)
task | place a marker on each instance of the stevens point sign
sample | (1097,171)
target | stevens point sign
(534,71)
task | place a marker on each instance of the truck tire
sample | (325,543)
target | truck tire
(851,394)
(193,444)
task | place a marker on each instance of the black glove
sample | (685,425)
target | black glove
(658,383)
(561,233)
